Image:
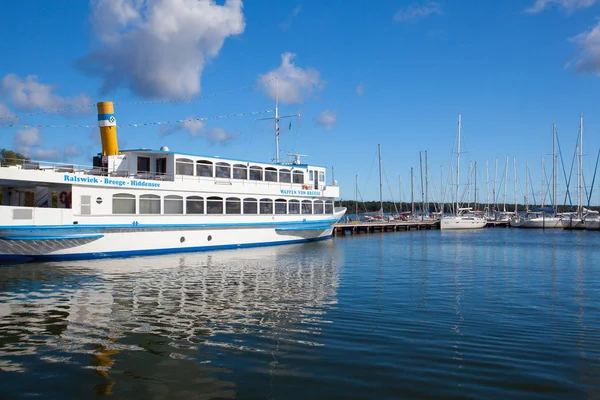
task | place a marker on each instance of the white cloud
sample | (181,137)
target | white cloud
(219,136)
(71,151)
(53,154)
(587,58)
(159,48)
(29,94)
(190,125)
(360,89)
(193,127)
(416,11)
(5,114)
(29,141)
(287,23)
(568,5)
(327,119)
(26,140)
(293,83)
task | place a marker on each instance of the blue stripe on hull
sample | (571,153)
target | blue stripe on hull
(133,253)
(169,226)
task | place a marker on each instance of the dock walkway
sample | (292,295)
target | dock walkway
(341,229)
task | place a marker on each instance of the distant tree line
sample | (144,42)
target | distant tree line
(9,157)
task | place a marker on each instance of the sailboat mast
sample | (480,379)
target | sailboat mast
(487,188)
(442,190)
(542,175)
(580,175)
(380,185)
(426,183)
(515,184)
(554,167)
(422,187)
(475,179)
(356,197)
(526,187)
(400,190)
(458,166)
(412,191)
(505,182)
(494,191)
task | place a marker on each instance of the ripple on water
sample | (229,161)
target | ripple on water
(495,313)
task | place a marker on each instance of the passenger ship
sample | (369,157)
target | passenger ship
(139,202)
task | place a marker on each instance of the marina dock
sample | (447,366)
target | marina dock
(352,228)
(342,229)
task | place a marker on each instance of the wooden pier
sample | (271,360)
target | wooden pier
(341,229)
(352,228)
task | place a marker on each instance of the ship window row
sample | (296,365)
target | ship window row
(124,203)
(185,166)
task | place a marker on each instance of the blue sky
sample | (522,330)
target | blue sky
(389,72)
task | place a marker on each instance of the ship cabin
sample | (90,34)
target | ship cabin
(162,165)
(163,175)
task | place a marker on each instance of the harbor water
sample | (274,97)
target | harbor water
(494,313)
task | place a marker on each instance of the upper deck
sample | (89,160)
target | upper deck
(163,169)
(164,165)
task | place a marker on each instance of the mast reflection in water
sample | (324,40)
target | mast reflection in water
(182,324)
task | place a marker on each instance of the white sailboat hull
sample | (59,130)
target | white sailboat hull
(592,225)
(538,223)
(460,223)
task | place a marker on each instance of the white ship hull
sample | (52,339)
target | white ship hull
(460,223)
(91,242)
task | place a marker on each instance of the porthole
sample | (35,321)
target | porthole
(182,239)
(99,200)
(209,238)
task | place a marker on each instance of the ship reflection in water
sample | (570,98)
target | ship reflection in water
(161,325)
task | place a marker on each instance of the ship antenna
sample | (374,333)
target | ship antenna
(277,117)
(297,160)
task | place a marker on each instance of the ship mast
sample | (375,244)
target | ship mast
(277,118)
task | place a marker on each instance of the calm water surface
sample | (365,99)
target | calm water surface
(498,313)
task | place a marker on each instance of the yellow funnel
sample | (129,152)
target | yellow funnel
(108,128)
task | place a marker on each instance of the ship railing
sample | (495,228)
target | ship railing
(62,167)
(44,165)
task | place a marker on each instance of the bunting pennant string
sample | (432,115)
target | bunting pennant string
(180,100)
(137,125)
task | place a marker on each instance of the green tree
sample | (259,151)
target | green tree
(9,157)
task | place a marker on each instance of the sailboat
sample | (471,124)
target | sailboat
(577,221)
(462,218)
(544,217)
